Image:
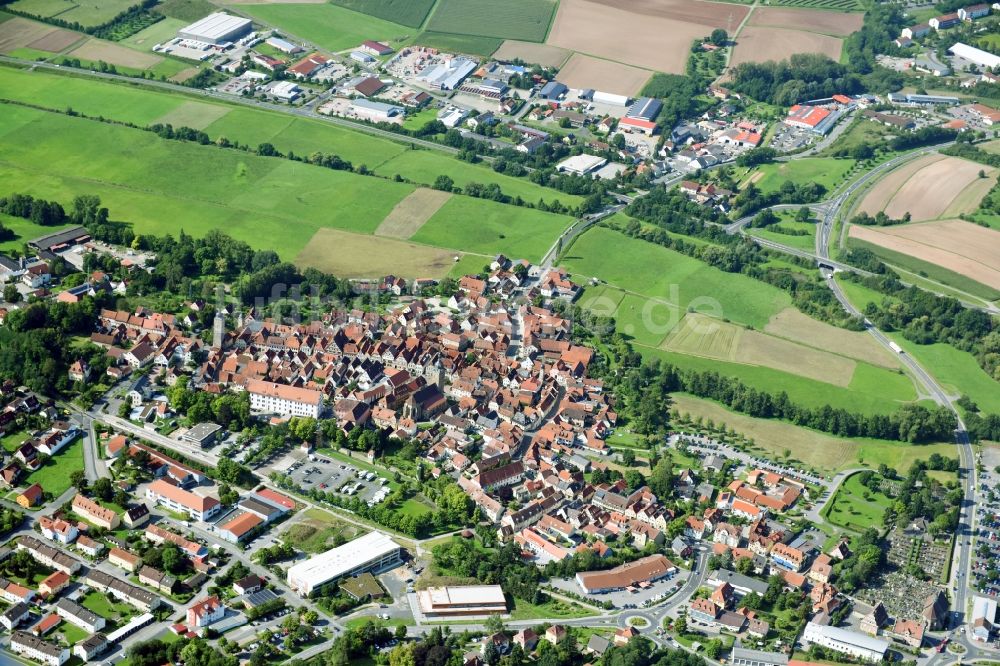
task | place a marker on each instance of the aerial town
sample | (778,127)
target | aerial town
(447,332)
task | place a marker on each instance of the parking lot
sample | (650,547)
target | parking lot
(331,475)
(640,597)
(787,138)
(986,549)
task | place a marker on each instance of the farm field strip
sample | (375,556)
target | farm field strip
(328,25)
(621,30)
(928,192)
(837,24)
(760,44)
(353,255)
(526,20)
(411,213)
(539,54)
(582,71)
(961,247)
(881,193)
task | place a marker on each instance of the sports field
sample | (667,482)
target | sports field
(654,271)
(961,247)
(327,25)
(527,20)
(351,255)
(485,227)
(812,448)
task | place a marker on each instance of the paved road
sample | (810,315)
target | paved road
(962,556)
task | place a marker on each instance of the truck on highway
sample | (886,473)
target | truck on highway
(896,348)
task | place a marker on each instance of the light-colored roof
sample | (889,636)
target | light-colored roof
(182,497)
(342,559)
(282,392)
(466,595)
(216,25)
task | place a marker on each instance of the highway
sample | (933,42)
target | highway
(962,555)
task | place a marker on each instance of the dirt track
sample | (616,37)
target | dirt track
(959,246)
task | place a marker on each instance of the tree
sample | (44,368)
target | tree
(444,183)
(719,37)
(628,457)
(494,624)
(11,294)
(104,489)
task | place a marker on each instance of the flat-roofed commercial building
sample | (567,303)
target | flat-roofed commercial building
(216,28)
(462,600)
(372,552)
(743,657)
(845,641)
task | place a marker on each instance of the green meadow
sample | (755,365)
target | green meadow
(423,166)
(826,171)
(164,186)
(327,25)
(956,370)
(511,19)
(651,270)
(486,227)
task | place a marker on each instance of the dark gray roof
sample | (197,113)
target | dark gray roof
(59,238)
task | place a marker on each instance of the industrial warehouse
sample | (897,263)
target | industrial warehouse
(466,601)
(372,552)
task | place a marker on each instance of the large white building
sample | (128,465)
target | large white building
(374,551)
(199,508)
(974,55)
(984,614)
(845,641)
(216,28)
(285,400)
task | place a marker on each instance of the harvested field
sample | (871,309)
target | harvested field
(792,324)
(622,30)
(968,200)
(760,44)
(929,192)
(962,247)
(56,41)
(195,115)
(275,2)
(825,23)
(184,75)
(18,32)
(539,54)
(879,196)
(95,49)
(586,72)
(410,214)
(352,255)
(699,335)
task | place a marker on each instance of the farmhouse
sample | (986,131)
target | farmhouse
(463,600)
(284,400)
(374,551)
(216,28)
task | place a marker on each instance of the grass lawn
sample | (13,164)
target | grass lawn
(651,270)
(328,25)
(11,441)
(415,121)
(414,507)
(956,370)
(514,231)
(826,171)
(318,534)
(513,19)
(860,295)
(785,232)
(161,31)
(54,475)
(855,506)
(819,450)
(551,609)
(469,264)
(106,607)
(71,633)
(862,131)
(423,166)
